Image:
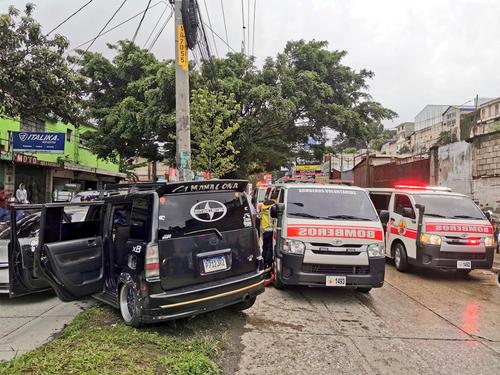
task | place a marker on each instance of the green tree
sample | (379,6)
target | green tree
(214,120)
(132,100)
(35,78)
(446,138)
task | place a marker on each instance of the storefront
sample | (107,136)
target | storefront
(36,175)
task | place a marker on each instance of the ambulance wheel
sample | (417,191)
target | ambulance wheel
(363,290)
(246,304)
(129,304)
(400,258)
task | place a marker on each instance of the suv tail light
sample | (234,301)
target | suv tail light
(152,266)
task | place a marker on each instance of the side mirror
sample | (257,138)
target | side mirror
(408,212)
(384,216)
(420,208)
(277,210)
(487,213)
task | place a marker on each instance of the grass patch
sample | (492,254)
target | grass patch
(97,342)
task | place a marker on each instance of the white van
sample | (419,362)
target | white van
(434,227)
(327,235)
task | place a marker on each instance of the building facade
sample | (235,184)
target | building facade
(45,173)
(488,120)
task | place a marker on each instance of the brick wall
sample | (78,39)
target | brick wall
(486,171)
(486,155)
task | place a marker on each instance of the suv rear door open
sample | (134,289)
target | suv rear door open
(68,255)
(205,237)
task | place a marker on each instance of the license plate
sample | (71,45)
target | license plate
(336,281)
(463,264)
(214,264)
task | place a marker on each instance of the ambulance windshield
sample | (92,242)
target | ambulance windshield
(449,206)
(330,204)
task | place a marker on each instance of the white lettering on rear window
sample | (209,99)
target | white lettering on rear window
(328,191)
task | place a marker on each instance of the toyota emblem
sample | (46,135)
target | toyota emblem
(208,211)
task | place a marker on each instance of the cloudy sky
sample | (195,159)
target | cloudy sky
(422,52)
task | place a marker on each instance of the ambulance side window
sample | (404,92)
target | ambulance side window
(281,198)
(403,207)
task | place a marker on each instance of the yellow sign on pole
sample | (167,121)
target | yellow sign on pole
(182,49)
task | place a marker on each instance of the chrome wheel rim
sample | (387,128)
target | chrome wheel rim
(127,303)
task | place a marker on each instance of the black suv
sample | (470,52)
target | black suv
(157,252)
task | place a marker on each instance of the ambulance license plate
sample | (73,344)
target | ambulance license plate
(463,264)
(336,281)
(214,264)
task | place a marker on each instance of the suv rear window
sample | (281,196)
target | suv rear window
(186,214)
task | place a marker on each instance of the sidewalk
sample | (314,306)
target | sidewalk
(31,321)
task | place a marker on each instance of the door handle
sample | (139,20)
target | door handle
(91,243)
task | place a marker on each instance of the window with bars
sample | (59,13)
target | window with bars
(32,125)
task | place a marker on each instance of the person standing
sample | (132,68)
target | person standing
(21,194)
(266,228)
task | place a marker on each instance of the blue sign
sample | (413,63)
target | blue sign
(38,142)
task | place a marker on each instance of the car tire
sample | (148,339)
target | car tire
(246,304)
(498,279)
(129,304)
(363,290)
(400,257)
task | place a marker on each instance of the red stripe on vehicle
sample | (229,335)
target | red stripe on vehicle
(409,233)
(330,231)
(458,228)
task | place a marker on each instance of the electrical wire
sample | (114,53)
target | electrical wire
(153,42)
(225,25)
(243,23)
(69,17)
(117,26)
(140,22)
(253,31)
(156,25)
(222,39)
(106,25)
(210,23)
(248,28)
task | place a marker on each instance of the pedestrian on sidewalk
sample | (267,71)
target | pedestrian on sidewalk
(21,195)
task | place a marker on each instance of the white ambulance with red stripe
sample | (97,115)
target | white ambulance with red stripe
(327,235)
(434,227)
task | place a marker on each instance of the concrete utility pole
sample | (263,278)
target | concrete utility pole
(182,128)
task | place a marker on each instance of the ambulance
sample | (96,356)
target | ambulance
(435,228)
(327,235)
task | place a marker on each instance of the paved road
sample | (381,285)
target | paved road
(27,322)
(418,323)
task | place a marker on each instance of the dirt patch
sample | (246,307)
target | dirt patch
(260,322)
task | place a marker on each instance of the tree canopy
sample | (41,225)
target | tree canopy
(36,80)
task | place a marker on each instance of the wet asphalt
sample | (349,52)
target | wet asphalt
(422,322)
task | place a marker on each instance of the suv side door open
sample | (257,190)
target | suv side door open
(68,255)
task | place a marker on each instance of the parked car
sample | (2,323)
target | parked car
(157,253)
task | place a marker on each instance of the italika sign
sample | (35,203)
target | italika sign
(38,142)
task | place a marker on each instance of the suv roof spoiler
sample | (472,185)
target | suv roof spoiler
(182,187)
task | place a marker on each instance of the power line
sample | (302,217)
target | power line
(253,31)
(224,18)
(140,22)
(160,31)
(210,23)
(156,25)
(106,25)
(69,17)
(115,27)
(248,28)
(243,23)
(218,36)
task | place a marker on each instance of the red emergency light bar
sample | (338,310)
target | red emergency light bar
(422,187)
(473,241)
